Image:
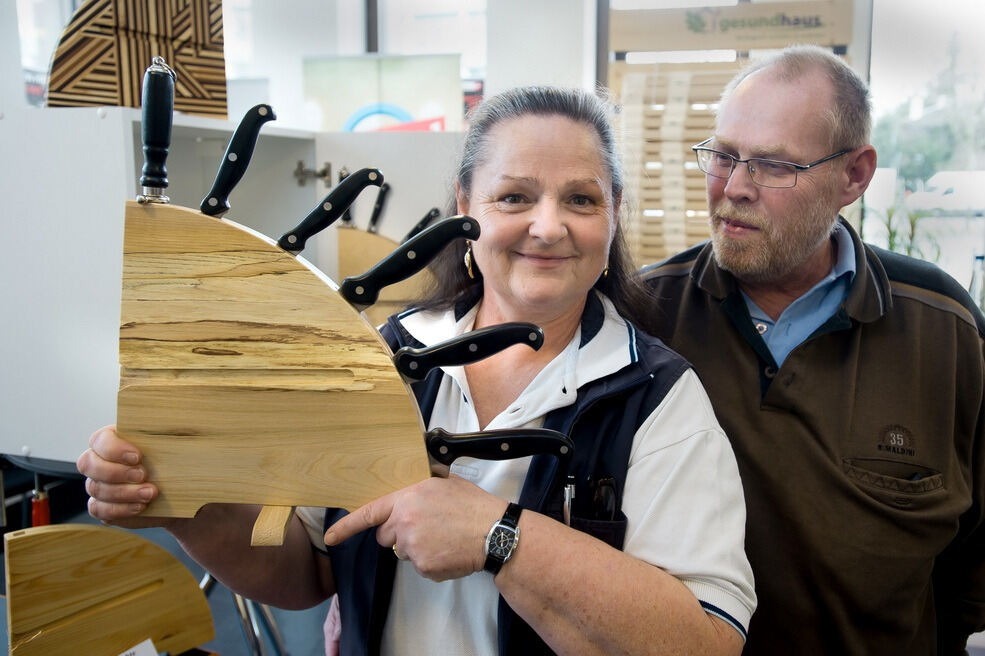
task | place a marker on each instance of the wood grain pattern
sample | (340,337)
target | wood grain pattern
(246,378)
(82,589)
(359,251)
(103,52)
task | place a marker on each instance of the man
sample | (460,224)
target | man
(849,379)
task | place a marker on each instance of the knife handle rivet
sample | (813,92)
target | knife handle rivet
(466,226)
(411,255)
(326,206)
(360,290)
(292,239)
(262,111)
(473,348)
(504,446)
(372,176)
(412,366)
(532,337)
(564,450)
(213,201)
(233,157)
(443,450)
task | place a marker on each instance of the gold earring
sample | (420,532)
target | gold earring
(605,272)
(468,260)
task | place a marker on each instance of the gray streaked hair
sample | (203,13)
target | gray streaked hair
(849,118)
(622,284)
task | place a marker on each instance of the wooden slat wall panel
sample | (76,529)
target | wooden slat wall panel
(108,45)
(665,110)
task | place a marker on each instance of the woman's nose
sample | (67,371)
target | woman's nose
(547,222)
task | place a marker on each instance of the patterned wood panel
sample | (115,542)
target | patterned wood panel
(108,44)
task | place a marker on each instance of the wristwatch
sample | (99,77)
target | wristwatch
(502,539)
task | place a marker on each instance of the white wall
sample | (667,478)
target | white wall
(540,42)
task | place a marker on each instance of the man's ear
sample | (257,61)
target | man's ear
(461,199)
(858,173)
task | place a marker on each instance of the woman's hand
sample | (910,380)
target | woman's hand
(116,480)
(440,525)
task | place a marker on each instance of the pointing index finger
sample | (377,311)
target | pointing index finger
(367,516)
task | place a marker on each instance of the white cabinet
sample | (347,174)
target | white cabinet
(64,177)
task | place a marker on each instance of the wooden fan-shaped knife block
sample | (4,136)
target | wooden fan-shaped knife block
(246,378)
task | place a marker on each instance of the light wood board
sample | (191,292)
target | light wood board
(246,378)
(80,589)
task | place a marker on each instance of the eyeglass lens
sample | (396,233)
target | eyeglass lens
(764,172)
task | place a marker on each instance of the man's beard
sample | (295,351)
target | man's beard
(780,246)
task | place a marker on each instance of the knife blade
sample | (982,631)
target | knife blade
(406,260)
(374,218)
(414,364)
(236,159)
(423,223)
(157,108)
(330,209)
(504,444)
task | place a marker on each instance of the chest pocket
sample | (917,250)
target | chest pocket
(897,484)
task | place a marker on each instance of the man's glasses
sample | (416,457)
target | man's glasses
(763,172)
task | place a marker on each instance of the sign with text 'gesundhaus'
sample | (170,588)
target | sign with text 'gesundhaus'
(741,27)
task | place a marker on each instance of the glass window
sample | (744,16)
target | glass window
(928,92)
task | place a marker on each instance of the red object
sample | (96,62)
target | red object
(40,510)
(434,124)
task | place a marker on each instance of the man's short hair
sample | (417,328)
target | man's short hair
(849,118)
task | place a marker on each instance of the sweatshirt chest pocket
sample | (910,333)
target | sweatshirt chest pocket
(900,485)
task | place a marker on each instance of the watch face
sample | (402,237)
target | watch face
(501,542)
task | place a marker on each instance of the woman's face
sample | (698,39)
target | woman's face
(543,199)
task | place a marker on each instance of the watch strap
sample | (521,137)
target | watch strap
(511,520)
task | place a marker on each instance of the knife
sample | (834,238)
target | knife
(504,444)
(423,223)
(236,159)
(406,260)
(414,364)
(330,209)
(374,218)
(346,215)
(157,105)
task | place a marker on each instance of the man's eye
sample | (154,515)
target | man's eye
(771,167)
(721,159)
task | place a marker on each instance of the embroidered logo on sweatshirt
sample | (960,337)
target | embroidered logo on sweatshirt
(897,440)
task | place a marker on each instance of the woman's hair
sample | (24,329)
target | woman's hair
(622,284)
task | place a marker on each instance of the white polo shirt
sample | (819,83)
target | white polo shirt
(682,496)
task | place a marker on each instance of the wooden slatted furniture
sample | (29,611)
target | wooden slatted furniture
(87,589)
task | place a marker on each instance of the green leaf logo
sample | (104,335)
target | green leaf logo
(696,22)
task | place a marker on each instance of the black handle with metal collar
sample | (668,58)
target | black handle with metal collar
(157,109)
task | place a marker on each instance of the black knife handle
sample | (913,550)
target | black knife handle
(157,103)
(332,206)
(407,259)
(415,363)
(346,215)
(505,444)
(423,223)
(236,159)
(374,218)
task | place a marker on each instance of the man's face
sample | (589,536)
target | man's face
(761,234)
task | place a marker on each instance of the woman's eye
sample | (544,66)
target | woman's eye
(581,201)
(513,199)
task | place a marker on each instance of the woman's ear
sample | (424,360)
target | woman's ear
(461,199)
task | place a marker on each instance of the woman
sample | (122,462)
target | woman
(655,477)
